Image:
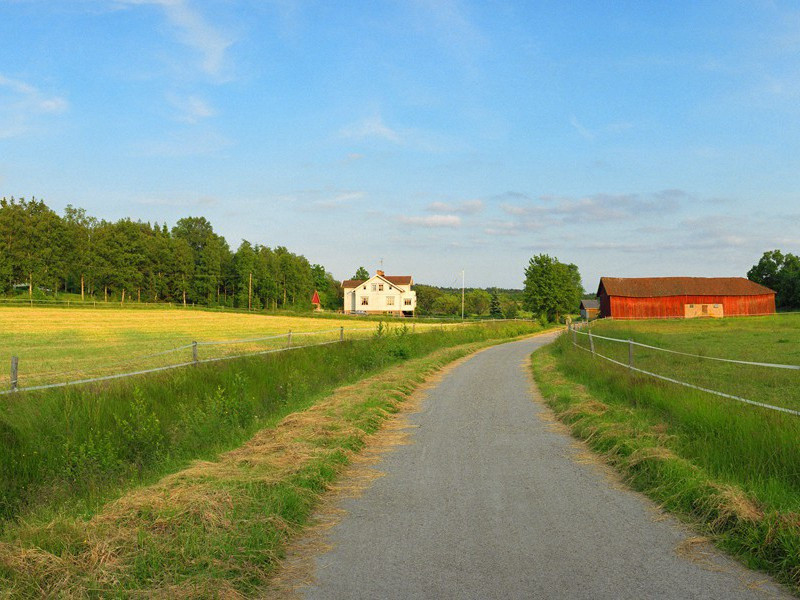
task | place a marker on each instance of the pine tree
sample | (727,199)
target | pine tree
(494,307)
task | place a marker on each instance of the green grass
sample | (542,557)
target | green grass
(772,339)
(218,528)
(732,468)
(75,447)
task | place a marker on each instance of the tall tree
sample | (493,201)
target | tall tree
(781,273)
(552,288)
(361,273)
(494,307)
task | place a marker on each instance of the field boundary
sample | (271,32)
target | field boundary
(630,366)
(289,337)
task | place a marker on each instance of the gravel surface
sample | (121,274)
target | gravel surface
(490,502)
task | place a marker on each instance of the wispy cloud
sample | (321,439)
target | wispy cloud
(183,144)
(467,207)
(194,31)
(20,101)
(370,127)
(432,221)
(598,207)
(591,134)
(584,133)
(191,109)
(201,202)
(327,199)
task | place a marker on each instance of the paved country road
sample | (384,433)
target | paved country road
(489,502)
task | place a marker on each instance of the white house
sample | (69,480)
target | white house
(381,294)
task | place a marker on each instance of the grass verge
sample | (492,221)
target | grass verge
(729,469)
(217,528)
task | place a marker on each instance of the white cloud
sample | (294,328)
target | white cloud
(322,199)
(584,133)
(467,207)
(20,101)
(433,221)
(191,108)
(371,127)
(194,31)
(598,207)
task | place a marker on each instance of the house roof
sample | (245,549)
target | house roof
(315,298)
(590,304)
(393,279)
(650,287)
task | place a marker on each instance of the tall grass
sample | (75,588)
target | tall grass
(751,447)
(70,449)
(732,468)
(773,339)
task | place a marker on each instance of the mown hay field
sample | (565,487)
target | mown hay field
(62,344)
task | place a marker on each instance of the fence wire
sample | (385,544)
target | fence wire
(220,349)
(630,366)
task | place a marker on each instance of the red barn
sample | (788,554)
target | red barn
(682,297)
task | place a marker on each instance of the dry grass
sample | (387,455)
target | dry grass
(191,534)
(59,344)
(647,455)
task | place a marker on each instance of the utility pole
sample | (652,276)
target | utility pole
(462,294)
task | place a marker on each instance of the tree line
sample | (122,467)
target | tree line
(44,253)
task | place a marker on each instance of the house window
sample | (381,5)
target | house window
(373,287)
(390,300)
(380,287)
(407,301)
(364,300)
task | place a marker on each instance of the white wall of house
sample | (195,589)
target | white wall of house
(378,295)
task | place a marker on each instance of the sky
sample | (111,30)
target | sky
(425,137)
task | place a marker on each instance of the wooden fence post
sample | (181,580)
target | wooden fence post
(289,338)
(14,373)
(194,352)
(630,353)
(591,342)
(341,333)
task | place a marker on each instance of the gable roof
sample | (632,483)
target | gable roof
(650,287)
(590,304)
(393,279)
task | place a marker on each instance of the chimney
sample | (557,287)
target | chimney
(380,273)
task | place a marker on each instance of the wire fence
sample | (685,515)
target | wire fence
(653,355)
(22,377)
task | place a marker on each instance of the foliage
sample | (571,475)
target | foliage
(361,274)
(152,423)
(781,273)
(495,311)
(552,288)
(432,300)
(134,261)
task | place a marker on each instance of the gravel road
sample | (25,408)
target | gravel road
(490,502)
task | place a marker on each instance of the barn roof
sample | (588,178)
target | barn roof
(650,287)
(393,279)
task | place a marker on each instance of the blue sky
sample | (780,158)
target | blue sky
(631,138)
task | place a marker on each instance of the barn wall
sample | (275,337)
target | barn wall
(672,307)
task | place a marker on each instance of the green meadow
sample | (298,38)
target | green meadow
(731,468)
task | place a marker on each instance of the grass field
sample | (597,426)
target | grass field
(59,344)
(772,339)
(732,468)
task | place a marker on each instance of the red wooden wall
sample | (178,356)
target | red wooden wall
(671,307)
